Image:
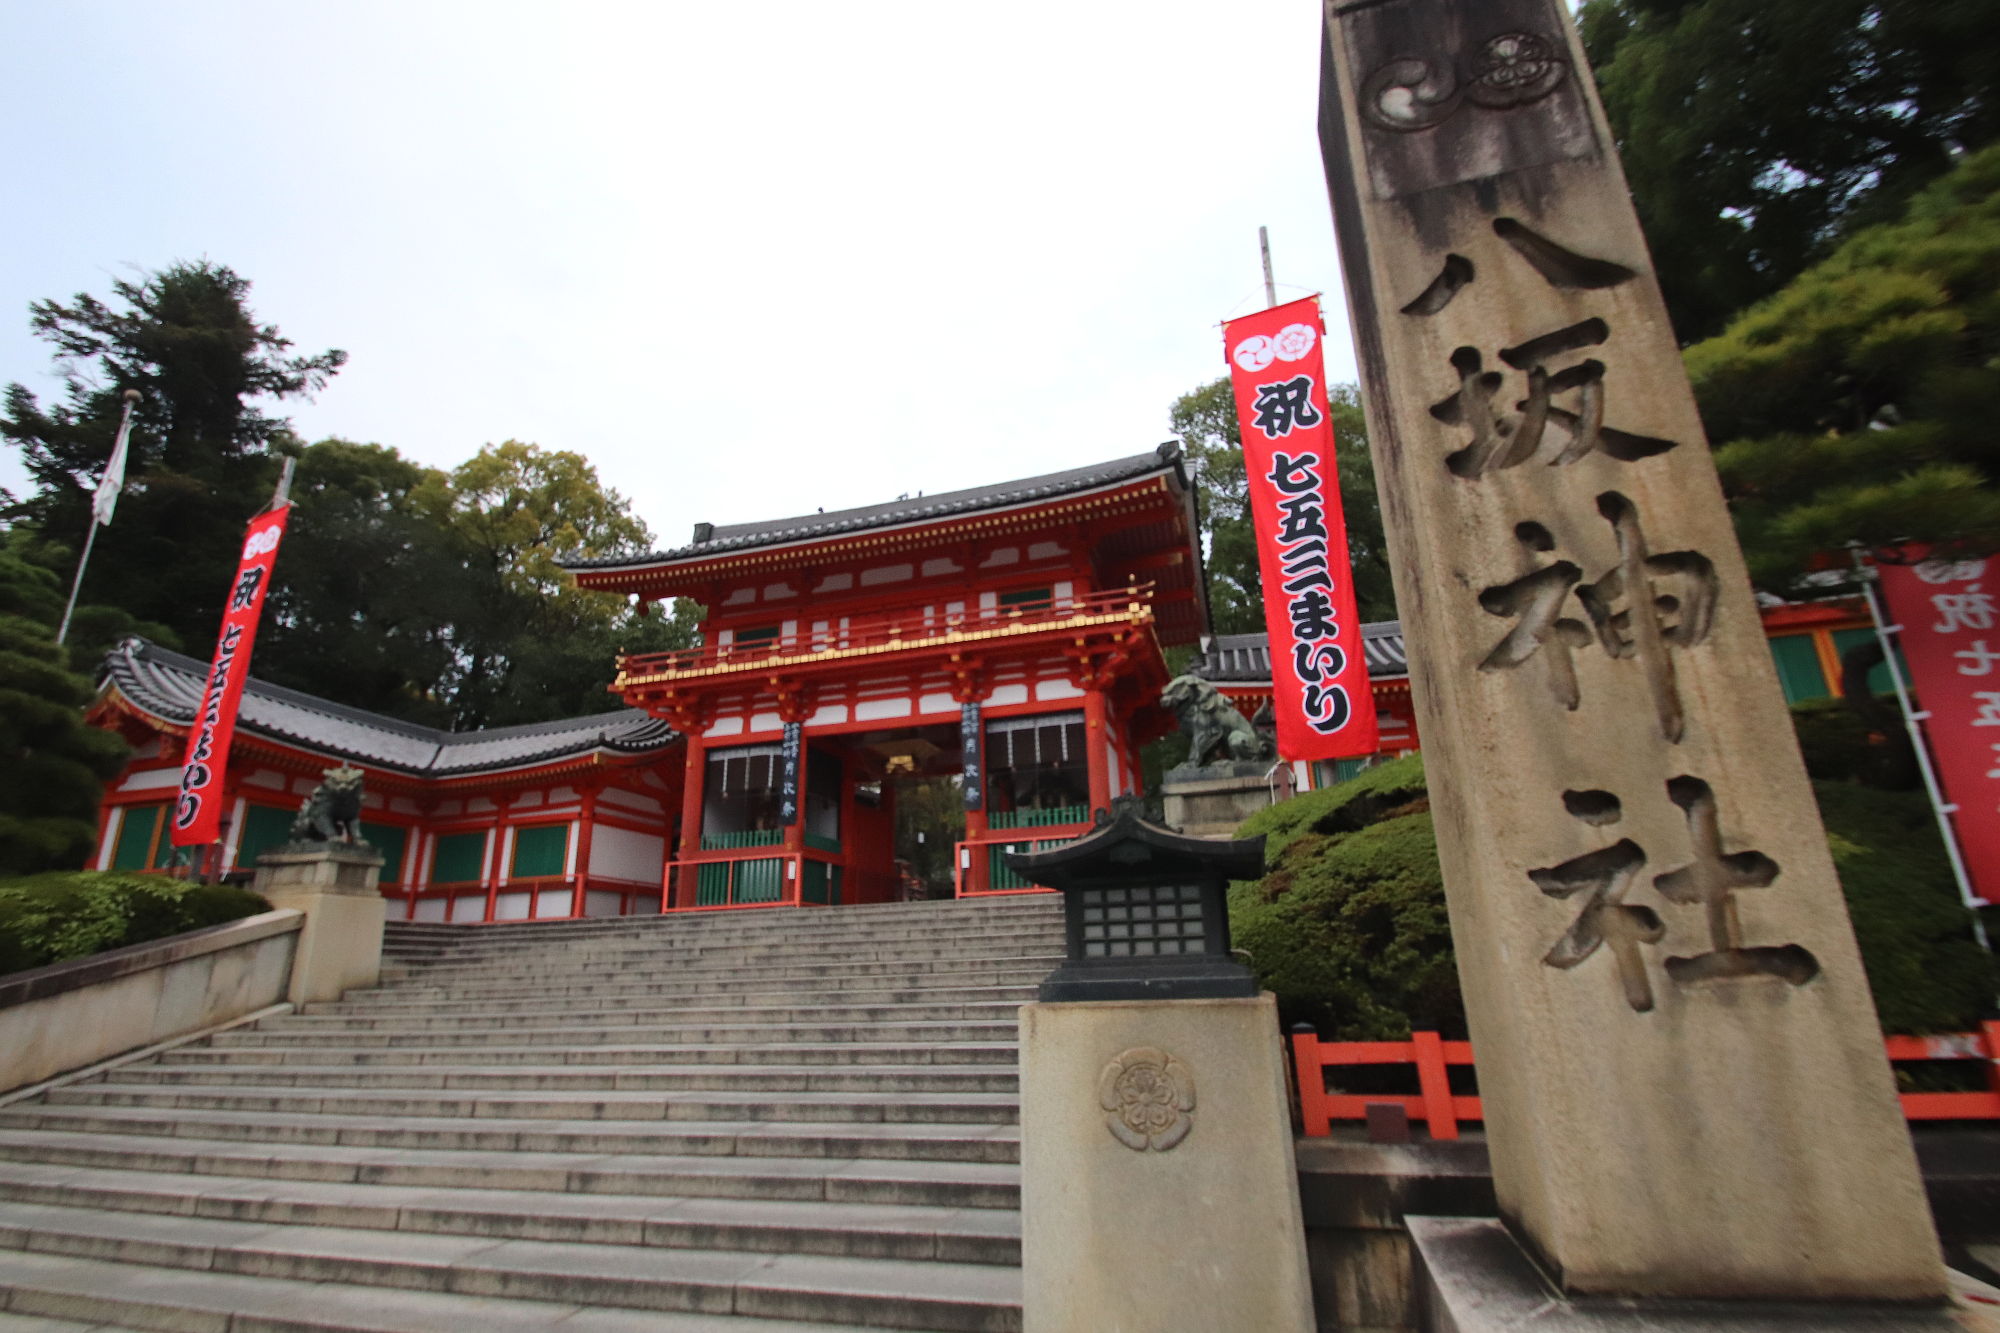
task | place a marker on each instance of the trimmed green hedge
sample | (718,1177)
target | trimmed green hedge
(1348,927)
(69,914)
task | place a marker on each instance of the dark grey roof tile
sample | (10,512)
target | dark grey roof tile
(168,685)
(1247,657)
(717,540)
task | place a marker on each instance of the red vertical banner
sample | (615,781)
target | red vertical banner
(1319,675)
(1951,640)
(198,812)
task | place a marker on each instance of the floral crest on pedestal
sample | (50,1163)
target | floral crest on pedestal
(1148,1099)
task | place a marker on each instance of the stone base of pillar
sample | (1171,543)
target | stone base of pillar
(1210,800)
(1158,1187)
(1472,1276)
(340,947)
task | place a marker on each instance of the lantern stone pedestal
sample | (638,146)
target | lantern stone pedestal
(1158,1186)
(334,884)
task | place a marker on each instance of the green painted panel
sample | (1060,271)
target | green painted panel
(1878,679)
(814,882)
(135,837)
(722,842)
(1798,668)
(1062,814)
(459,858)
(264,827)
(541,850)
(711,886)
(390,840)
(760,881)
(822,842)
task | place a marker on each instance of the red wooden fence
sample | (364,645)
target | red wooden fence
(1438,1108)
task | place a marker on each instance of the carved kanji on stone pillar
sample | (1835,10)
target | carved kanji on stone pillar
(1661,1010)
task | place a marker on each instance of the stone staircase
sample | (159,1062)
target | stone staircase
(752,1122)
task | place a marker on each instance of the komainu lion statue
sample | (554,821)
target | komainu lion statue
(333,812)
(1215,730)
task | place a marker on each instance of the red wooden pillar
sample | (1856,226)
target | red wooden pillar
(496,857)
(587,822)
(1434,1083)
(1314,1114)
(1094,742)
(690,830)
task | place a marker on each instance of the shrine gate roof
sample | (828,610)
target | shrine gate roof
(1247,657)
(710,540)
(167,686)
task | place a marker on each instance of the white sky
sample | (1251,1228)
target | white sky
(750,259)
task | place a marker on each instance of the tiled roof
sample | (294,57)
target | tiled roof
(168,686)
(1247,657)
(710,540)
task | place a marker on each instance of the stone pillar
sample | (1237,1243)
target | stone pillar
(1158,1187)
(1684,1082)
(334,884)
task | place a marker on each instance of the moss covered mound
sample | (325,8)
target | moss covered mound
(62,915)
(1348,927)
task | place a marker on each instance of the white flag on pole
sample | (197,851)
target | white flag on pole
(113,482)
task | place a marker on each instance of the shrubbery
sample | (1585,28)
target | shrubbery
(1348,927)
(71,914)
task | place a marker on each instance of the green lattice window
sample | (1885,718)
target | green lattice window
(1799,670)
(459,858)
(540,850)
(389,840)
(265,827)
(1878,679)
(141,844)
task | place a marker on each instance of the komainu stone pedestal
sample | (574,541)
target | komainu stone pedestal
(335,886)
(1473,1277)
(1210,800)
(1158,1188)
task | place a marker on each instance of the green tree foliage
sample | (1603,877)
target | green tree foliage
(1205,422)
(435,596)
(1348,927)
(52,766)
(1858,403)
(200,461)
(52,918)
(1756,132)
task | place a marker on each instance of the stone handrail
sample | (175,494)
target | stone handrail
(68,1015)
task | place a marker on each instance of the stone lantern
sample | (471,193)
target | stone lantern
(1145,910)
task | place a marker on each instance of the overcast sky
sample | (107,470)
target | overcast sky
(751,260)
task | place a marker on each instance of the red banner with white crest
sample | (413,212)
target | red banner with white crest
(1951,640)
(198,812)
(1319,675)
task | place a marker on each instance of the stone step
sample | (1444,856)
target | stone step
(900,1182)
(744,1078)
(856,1230)
(835,1053)
(842,1107)
(264,1034)
(989,1143)
(614,1015)
(807,967)
(882,990)
(179,1300)
(854,944)
(925,1295)
(561,1000)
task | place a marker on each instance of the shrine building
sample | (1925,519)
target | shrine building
(1012,636)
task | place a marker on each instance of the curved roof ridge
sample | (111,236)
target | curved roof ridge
(168,685)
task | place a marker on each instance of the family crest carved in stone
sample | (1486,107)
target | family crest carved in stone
(1147,1098)
(1507,70)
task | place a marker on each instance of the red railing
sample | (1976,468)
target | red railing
(1440,1110)
(973,864)
(883,633)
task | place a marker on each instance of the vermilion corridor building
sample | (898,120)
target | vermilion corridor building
(1013,635)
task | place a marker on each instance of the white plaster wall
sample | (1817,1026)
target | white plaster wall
(1056,689)
(630,800)
(873,709)
(887,574)
(1009,694)
(553,902)
(599,903)
(151,779)
(511,906)
(622,854)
